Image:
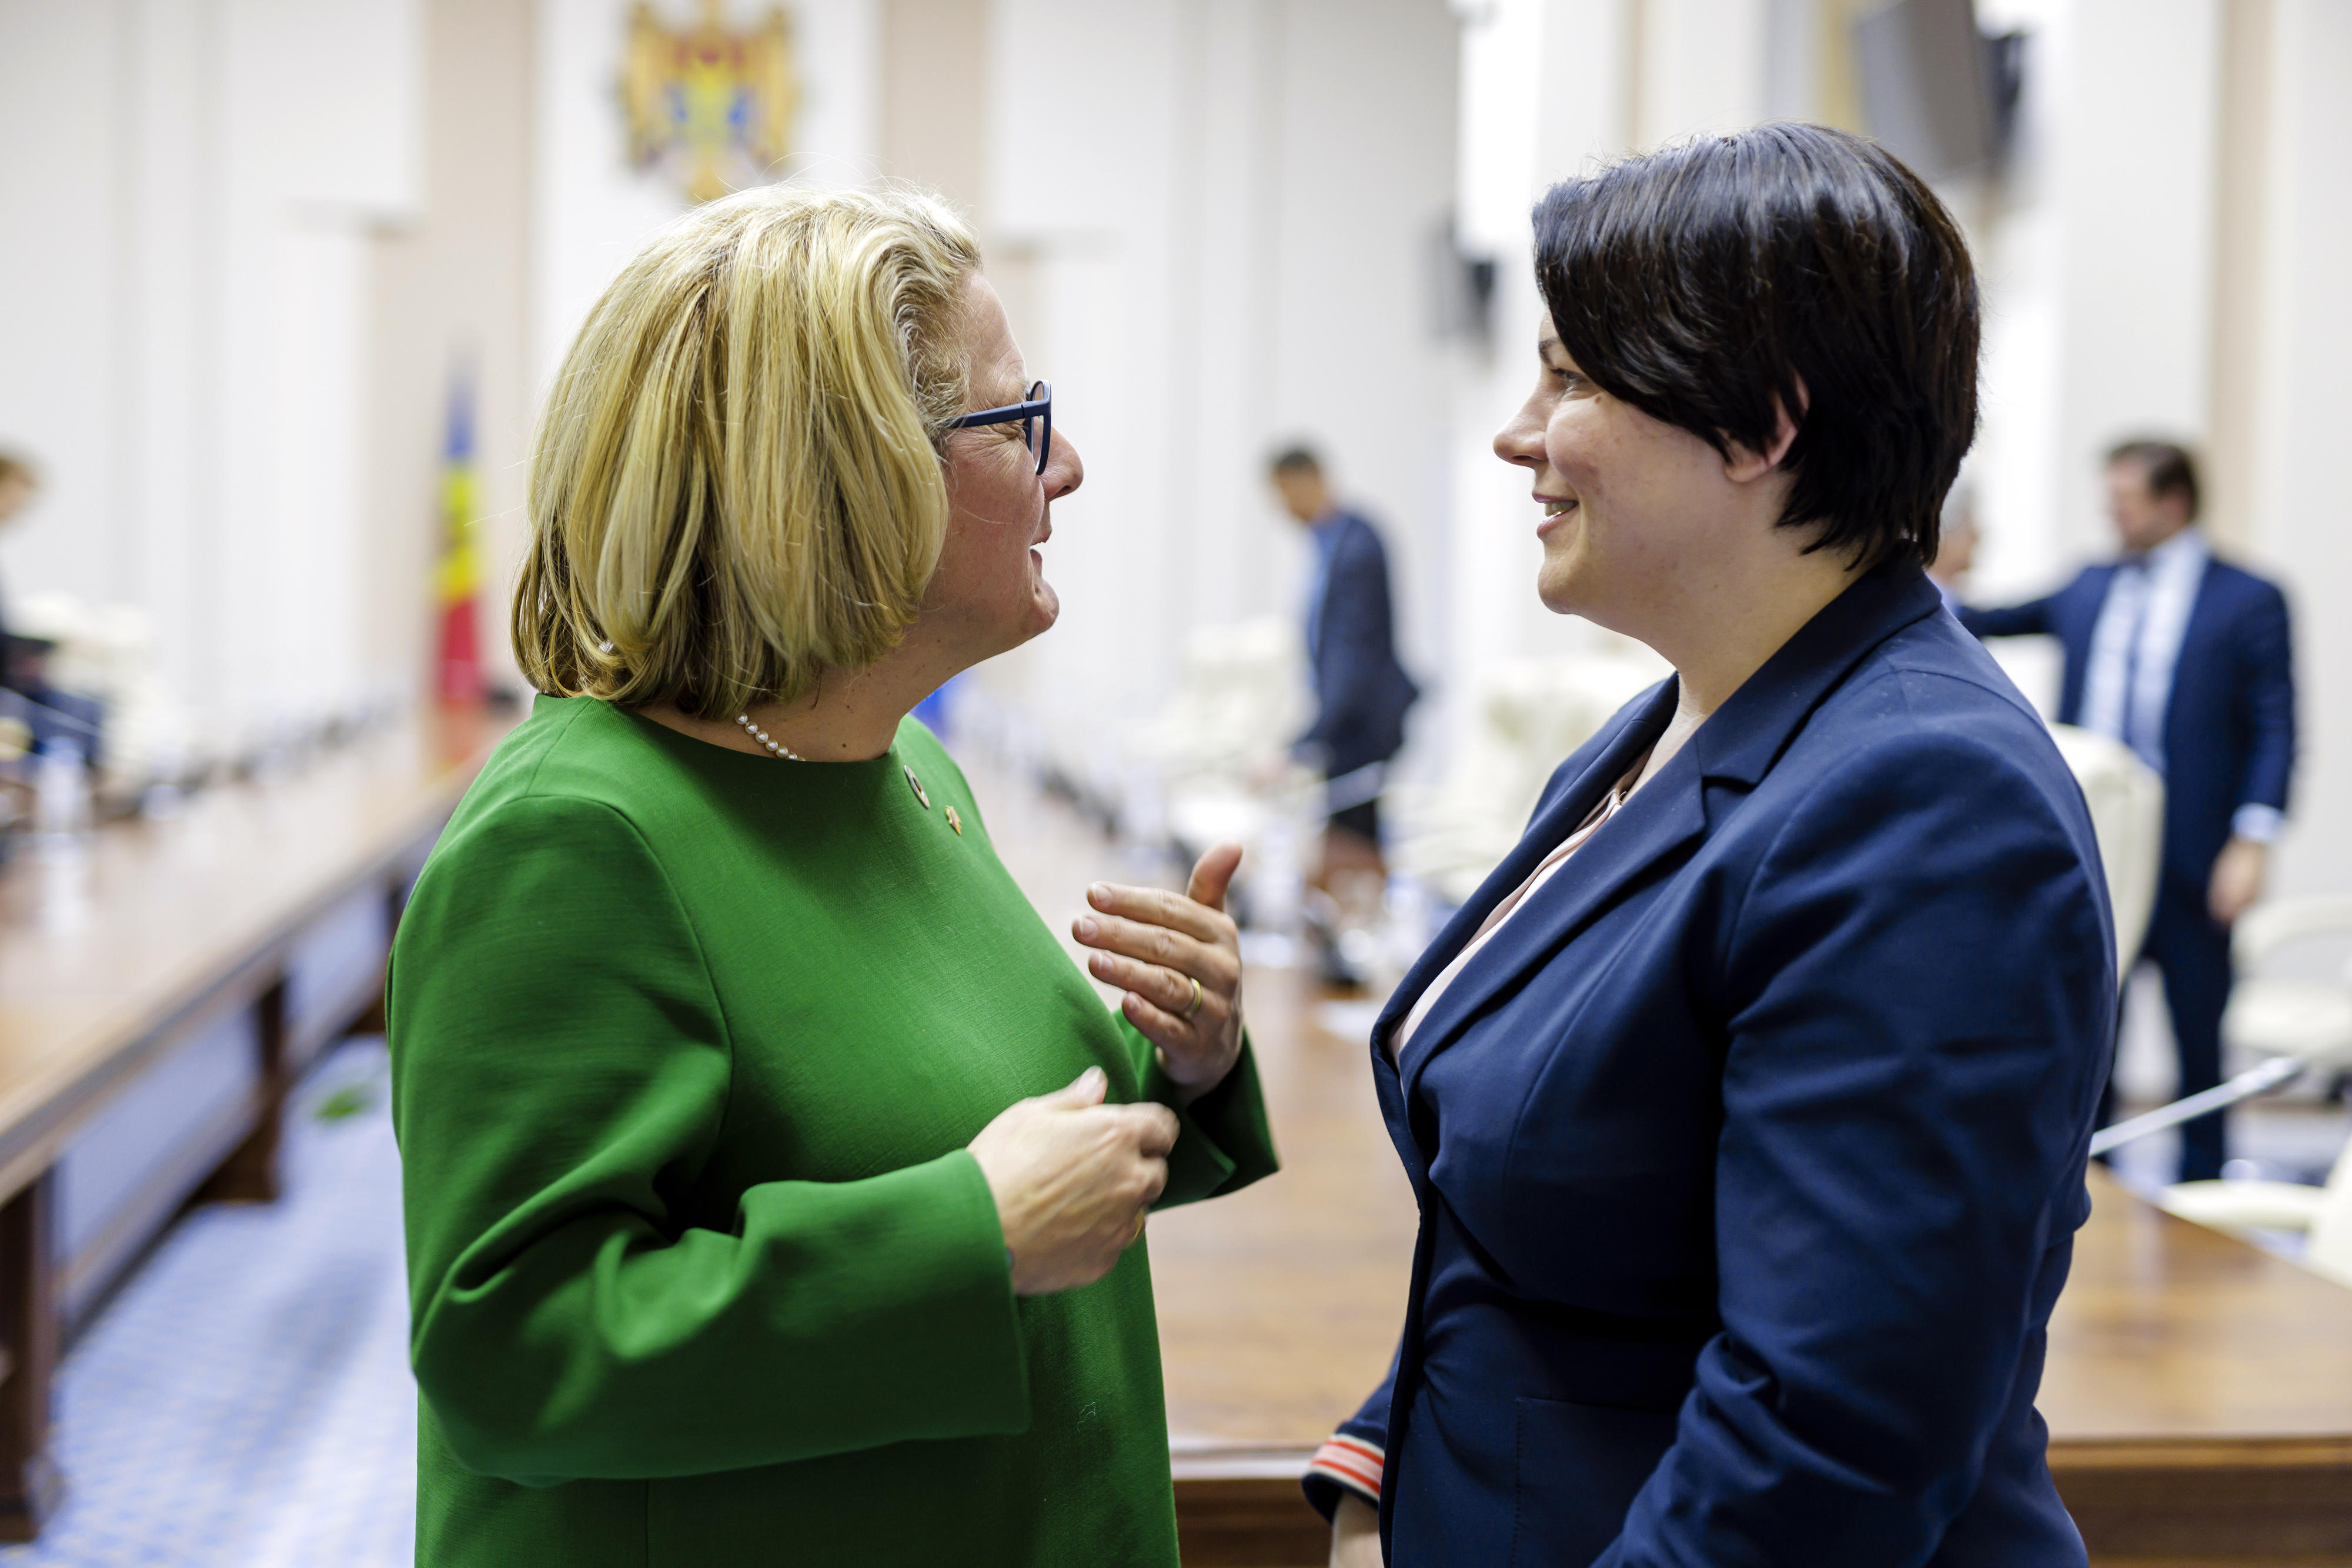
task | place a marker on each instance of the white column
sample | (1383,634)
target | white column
(310,164)
(1702,68)
(2299,529)
(62,111)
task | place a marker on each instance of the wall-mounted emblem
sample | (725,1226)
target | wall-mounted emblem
(710,106)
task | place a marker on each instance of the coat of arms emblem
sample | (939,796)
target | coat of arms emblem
(711,106)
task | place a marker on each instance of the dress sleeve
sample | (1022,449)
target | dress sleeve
(561,1069)
(1920,1002)
(1222,1142)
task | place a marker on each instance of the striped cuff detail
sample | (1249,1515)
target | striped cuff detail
(1352,1463)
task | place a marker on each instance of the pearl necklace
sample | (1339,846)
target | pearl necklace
(756,732)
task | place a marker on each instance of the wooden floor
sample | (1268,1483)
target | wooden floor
(2198,1390)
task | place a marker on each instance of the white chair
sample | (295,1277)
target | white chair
(2292,1017)
(2126,801)
(1528,716)
(2323,1213)
(2280,1015)
(1241,695)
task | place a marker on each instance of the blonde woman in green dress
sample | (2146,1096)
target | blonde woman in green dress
(775,1184)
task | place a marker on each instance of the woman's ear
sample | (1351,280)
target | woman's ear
(1744,465)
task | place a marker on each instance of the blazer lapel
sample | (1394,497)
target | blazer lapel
(1735,747)
(1632,732)
(1662,816)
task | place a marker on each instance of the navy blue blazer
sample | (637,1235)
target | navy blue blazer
(1361,692)
(2229,730)
(1750,1150)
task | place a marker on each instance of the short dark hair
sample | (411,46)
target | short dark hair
(1793,267)
(2169,470)
(15,468)
(1300,459)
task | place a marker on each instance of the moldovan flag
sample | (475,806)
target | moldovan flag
(457,583)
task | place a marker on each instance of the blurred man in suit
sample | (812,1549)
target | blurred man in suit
(1362,692)
(35,713)
(2186,659)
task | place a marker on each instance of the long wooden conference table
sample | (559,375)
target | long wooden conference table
(160,988)
(161,984)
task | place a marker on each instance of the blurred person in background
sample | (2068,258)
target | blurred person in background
(1361,695)
(20,484)
(48,717)
(774,1183)
(1747,1103)
(2187,659)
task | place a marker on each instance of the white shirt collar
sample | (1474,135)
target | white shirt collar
(2176,554)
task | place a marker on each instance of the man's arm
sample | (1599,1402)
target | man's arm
(2027,619)
(2267,694)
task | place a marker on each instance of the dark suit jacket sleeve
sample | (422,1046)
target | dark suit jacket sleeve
(1916,990)
(2270,702)
(2015,620)
(1369,1426)
(1358,639)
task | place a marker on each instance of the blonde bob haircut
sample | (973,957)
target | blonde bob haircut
(736,483)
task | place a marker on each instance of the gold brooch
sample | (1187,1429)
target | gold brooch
(916,786)
(953,821)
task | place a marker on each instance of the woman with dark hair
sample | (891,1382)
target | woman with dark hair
(1746,1102)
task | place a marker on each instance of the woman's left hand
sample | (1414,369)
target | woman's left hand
(1179,958)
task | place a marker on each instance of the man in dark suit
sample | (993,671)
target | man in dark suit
(2187,660)
(1362,692)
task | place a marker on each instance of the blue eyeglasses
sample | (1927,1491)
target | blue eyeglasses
(1035,414)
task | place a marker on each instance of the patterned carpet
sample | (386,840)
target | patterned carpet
(245,1401)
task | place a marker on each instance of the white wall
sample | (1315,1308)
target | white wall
(186,206)
(1549,90)
(1702,66)
(1210,222)
(590,211)
(2097,256)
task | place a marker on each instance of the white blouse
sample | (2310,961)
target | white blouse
(1502,912)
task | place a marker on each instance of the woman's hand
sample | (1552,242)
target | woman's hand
(1073,1178)
(1179,958)
(1355,1534)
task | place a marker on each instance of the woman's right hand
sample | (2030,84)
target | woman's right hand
(1072,1178)
(1355,1534)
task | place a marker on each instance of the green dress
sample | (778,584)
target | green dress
(687,1045)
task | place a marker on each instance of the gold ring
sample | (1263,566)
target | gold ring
(1197,999)
(1140,1216)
